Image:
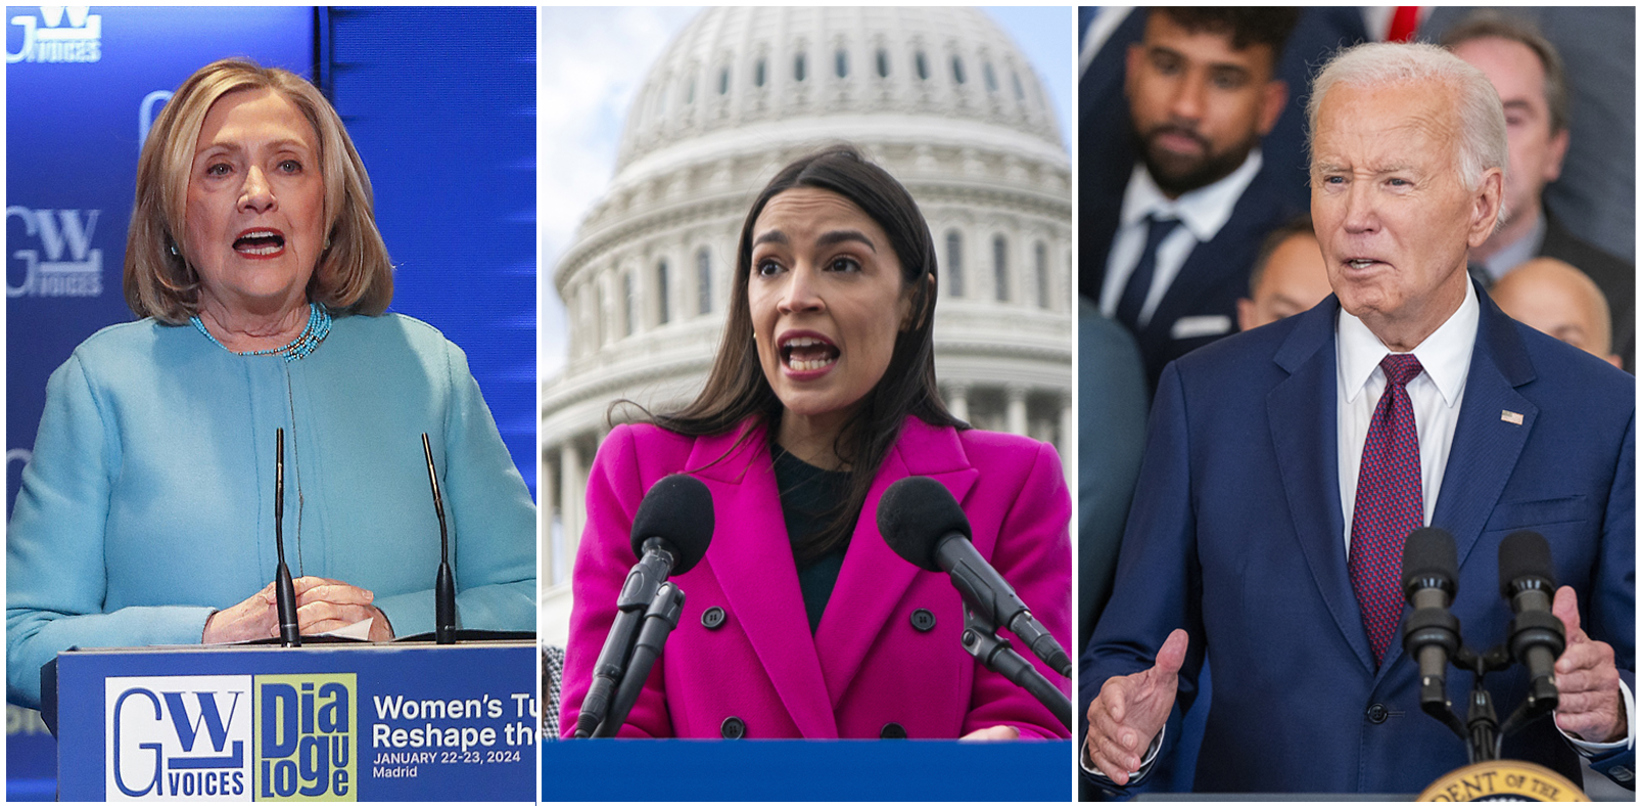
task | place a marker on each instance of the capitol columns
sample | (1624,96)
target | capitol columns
(1018,422)
(956,399)
(1067,420)
(572,493)
(543,556)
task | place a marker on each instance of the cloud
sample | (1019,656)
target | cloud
(591,62)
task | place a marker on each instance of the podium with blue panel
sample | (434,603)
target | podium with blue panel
(362,722)
(671,770)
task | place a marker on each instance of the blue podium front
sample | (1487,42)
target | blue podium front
(674,770)
(333,722)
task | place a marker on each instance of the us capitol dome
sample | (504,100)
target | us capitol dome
(940,97)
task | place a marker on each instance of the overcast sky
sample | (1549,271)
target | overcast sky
(592,61)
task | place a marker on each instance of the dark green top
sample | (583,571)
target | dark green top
(807,496)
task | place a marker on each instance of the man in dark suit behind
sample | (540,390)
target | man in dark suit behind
(1167,244)
(1285,466)
(1529,76)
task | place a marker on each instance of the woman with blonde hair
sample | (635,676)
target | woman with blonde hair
(147,513)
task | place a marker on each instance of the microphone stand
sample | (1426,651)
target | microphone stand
(637,593)
(444,585)
(1481,733)
(284,588)
(658,622)
(979,638)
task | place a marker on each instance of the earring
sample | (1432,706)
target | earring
(327,241)
(173,248)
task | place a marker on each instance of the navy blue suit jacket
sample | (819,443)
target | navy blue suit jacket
(1212,278)
(1236,535)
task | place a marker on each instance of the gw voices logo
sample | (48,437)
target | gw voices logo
(178,738)
(186,737)
(58,232)
(47,40)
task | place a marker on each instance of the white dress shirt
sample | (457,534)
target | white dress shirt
(1201,213)
(1436,395)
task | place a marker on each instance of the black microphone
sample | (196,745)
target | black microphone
(1526,577)
(1429,571)
(658,622)
(923,523)
(670,533)
(284,588)
(444,586)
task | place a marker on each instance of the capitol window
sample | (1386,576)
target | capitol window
(953,262)
(630,291)
(842,63)
(598,320)
(999,258)
(990,78)
(723,81)
(882,63)
(922,66)
(703,279)
(663,308)
(759,73)
(1019,89)
(582,319)
(1042,299)
(956,70)
(799,69)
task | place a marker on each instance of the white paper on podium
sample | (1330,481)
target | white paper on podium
(357,631)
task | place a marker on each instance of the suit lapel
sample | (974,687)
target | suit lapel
(1303,422)
(1212,264)
(1485,447)
(874,579)
(1105,142)
(1103,217)
(751,558)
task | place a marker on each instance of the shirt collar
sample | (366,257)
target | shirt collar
(1523,249)
(1203,211)
(1444,355)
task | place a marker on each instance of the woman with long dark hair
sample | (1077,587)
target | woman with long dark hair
(801,621)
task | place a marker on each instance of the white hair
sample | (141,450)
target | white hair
(1483,140)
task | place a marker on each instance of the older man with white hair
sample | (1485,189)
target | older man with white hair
(1285,467)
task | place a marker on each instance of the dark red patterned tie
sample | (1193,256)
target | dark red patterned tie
(1389,503)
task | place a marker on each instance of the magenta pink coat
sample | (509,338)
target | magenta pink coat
(867,666)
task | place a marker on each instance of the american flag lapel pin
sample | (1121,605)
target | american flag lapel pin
(1513,417)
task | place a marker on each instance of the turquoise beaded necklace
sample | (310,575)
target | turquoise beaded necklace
(318,326)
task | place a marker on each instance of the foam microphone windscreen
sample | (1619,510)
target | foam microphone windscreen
(678,509)
(914,514)
(1524,554)
(1429,552)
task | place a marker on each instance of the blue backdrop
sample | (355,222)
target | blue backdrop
(439,102)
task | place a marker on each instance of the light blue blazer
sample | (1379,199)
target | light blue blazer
(148,502)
